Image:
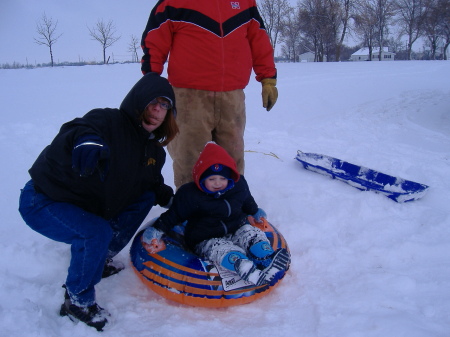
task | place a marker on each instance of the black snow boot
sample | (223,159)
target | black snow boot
(94,315)
(112,267)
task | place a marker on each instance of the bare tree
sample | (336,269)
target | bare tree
(314,21)
(133,47)
(46,29)
(336,15)
(325,24)
(432,26)
(385,11)
(438,26)
(346,8)
(366,24)
(273,13)
(445,24)
(105,34)
(372,21)
(396,45)
(411,16)
(290,35)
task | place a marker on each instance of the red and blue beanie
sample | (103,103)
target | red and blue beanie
(216,169)
(220,170)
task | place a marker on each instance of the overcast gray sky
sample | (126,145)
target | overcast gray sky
(18,20)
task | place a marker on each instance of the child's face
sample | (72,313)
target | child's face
(216,183)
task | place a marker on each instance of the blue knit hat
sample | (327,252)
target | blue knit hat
(217,169)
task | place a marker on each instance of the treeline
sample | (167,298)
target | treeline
(322,26)
(104,32)
(317,26)
(16,65)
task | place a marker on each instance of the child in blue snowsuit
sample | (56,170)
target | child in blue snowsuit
(215,207)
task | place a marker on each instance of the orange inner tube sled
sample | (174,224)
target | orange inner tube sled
(181,276)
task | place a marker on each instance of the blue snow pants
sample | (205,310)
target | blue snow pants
(92,238)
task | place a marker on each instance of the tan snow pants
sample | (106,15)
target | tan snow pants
(204,116)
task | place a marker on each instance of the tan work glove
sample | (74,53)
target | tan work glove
(269,92)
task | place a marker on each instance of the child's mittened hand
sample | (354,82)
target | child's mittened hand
(152,240)
(259,214)
(155,246)
(152,233)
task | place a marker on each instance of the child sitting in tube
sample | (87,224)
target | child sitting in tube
(215,208)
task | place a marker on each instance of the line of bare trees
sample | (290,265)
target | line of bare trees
(103,32)
(321,26)
(318,26)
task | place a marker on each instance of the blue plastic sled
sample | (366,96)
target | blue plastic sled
(363,178)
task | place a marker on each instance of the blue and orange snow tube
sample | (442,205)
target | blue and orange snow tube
(179,275)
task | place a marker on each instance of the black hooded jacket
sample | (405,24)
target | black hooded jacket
(209,215)
(135,162)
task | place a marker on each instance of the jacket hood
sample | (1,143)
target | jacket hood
(149,87)
(213,154)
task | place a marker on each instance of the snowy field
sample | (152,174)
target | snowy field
(362,264)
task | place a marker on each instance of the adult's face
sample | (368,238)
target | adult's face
(154,114)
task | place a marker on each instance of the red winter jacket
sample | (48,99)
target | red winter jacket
(213,44)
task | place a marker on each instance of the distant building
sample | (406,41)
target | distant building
(309,57)
(363,55)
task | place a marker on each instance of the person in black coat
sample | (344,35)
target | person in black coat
(96,182)
(216,206)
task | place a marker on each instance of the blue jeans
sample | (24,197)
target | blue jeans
(92,238)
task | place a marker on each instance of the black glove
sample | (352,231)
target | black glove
(164,195)
(89,153)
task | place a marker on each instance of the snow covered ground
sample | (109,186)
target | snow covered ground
(362,265)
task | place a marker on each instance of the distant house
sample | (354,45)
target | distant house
(306,57)
(309,57)
(363,55)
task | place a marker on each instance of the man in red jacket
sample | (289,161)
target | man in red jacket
(211,47)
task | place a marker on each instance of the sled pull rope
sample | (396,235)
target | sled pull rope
(266,154)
